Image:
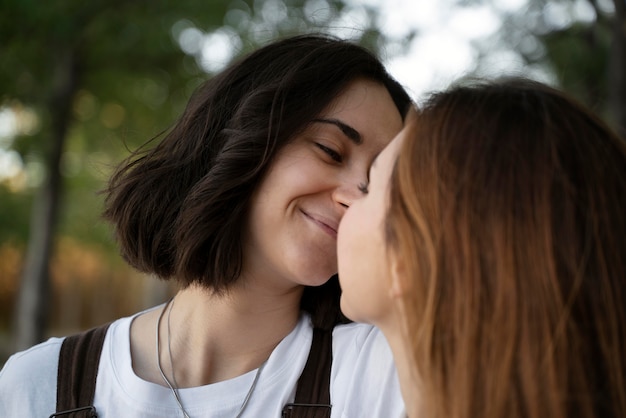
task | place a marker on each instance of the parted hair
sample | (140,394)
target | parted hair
(179,208)
(507,203)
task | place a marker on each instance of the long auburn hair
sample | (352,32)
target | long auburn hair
(507,203)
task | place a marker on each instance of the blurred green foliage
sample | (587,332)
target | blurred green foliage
(131,77)
(133,80)
(578,55)
(14,216)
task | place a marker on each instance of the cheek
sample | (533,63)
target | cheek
(347,241)
(354,249)
(362,261)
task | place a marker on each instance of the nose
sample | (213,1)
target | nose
(346,193)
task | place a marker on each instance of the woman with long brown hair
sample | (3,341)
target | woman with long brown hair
(491,252)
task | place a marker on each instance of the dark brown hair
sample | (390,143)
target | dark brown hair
(179,208)
(507,204)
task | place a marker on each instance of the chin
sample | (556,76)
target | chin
(317,281)
(349,313)
(316,273)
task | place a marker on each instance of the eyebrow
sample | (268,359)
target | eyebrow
(347,130)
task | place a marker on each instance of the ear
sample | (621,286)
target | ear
(399,279)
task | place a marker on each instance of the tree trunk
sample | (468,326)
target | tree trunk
(32,304)
(617,69)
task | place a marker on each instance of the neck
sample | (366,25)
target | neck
(215,337)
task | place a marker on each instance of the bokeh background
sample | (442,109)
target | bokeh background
(84,82)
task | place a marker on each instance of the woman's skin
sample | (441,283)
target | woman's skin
(290,241)
(371,290)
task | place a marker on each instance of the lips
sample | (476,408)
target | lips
(326,223)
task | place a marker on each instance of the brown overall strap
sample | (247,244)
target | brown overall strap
(80,356)
(313,391)
(78,369)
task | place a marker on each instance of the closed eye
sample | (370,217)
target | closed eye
(331,152)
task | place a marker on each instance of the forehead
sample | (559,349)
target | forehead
(367,107)
(388,156)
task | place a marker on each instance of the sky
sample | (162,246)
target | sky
(443,51)
(440,53)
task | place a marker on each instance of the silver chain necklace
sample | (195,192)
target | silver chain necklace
(174,387)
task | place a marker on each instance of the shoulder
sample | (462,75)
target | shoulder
(33,365)
(362,348)
(364,380)
(29,380)
(357,338)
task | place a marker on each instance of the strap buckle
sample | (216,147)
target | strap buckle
(89,411)
(290,408)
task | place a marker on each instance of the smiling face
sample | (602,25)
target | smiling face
(295,212)
(364,270)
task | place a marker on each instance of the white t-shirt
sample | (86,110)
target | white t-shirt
(363,380)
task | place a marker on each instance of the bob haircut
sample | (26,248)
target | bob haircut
(507,206)
(179,208)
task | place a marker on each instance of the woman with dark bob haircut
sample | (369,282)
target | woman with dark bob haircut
(494,239)
(239,203)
